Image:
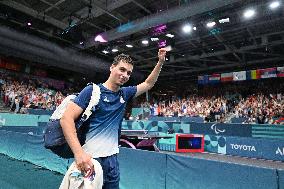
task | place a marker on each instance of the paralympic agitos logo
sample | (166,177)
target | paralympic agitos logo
(216,130)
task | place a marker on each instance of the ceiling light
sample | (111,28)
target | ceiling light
(114,50)
(81,43)
(170,35)
(154,39)
(100,38)
(105,51)
(129,46)
(274,4)
(194,28)
(224,20)
(211,24)
(187,28)
(249,13)
(145,42)
(29,24)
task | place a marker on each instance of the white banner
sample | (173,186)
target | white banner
(239,76)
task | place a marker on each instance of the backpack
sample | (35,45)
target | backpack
(53,135)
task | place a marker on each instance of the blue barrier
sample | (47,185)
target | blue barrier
(27,129)
(23,123)
(215,144)
(270,149)
(158,118)
(238,120)
(142,169)
(7,119)
(43,118)
(240,130)
(221,129)
(188,173)
(160,126)
(177,119)
(256,148)
(25,147)
(219,138)
(268,131)
(281,178)
(40,112)
(192,119)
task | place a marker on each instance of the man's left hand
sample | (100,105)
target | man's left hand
(162,55)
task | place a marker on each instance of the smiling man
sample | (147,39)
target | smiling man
(105,122)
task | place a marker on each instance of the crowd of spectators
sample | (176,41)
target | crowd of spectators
(21,93)
(260,101)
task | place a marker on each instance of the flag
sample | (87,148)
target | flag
(280,71)
(203,79)
(268,73)
(254,74)
(225,77)
(214,78)
(200,80)
(248,75)
(239,76)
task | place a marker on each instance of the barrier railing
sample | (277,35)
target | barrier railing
(257,141)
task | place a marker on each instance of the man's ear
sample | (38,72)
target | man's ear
(111,67)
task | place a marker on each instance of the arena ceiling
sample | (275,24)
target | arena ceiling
(235,42)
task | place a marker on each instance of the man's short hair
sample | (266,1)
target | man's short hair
(124,58)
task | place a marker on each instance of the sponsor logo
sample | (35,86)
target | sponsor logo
(105,99)
(243,147)
(280,151)
(121,100)
(216,130)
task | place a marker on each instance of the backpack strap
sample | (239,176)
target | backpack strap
(58,112)
(95,98)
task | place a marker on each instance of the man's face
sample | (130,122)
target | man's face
(121,72)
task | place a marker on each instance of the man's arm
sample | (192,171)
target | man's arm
(67,122)
(152,78)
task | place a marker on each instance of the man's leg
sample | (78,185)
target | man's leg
(111,172)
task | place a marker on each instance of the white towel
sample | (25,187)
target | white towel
(74,179)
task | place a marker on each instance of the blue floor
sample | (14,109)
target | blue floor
(16,174)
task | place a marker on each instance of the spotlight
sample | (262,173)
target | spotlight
(81,43)
(249,13)
(170,35)
(129,46)
(187,28)
(114,50)
(29,23)
(211,24)
(194,28)
(105,52)
(145,42)
(224,20)
(154,39)
(100,38)
(274,4)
